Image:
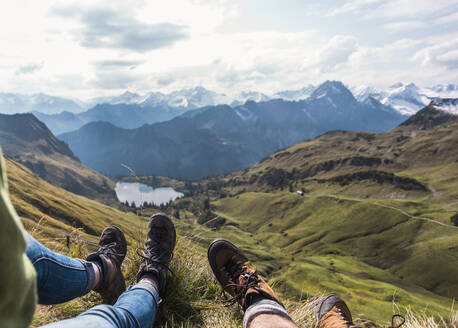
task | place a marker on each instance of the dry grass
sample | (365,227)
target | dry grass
(193,297)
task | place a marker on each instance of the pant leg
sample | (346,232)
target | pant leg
(59,277)
(135,308)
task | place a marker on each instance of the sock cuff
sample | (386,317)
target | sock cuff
(264,307)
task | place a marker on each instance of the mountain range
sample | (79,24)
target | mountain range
(130,110)
(220,139)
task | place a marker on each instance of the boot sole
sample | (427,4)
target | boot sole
(122,237)
(168,223)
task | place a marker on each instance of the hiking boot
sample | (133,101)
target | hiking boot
(332,312)
(158,251)
(112,251)
(237,275)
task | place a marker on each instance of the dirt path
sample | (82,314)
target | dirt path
(416,217)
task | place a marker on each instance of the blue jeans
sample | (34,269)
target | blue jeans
(61,278)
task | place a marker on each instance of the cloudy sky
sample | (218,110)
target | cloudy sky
(95,48)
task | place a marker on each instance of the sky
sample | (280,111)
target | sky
(86,49)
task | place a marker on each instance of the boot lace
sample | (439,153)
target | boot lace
(393,319)
(155,256)
(241,286)
(109,249)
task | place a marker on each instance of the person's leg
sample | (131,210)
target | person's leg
(61,278)
(136,308)
(239,278)
(271,321)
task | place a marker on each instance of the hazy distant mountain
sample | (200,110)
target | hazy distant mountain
(130,110)
(185,99)
(60,123)
(11,103)
(245,96)
(300,94)
(127,116)
(334,107)
(28,141)
(219,139)
(124,98)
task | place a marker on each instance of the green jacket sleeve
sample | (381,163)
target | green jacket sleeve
(17,275)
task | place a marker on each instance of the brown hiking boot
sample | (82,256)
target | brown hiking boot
(112,251)
(237,275)
(332,312)
(158,251)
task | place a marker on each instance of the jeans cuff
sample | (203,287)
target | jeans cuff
(90,273)
(264,306)
(150,288)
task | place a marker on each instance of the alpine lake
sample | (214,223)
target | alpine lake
(140,193)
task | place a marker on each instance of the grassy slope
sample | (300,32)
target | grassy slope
(429,156)
(366,240)
(312,232)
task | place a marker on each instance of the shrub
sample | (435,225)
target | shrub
(454,219)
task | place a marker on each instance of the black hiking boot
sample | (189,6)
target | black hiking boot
(112,251)
(158,251)
(237,275)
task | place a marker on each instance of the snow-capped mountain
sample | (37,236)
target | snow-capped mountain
(332,91)
(363,92)
(449,105)
(185,98)
(406,98)
(125,98)
(294,95)
(11,103)
(245,96)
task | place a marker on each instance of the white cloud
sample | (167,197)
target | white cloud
(353,6)
(408,9)
(396,8)
(334,55)
(452,18)
(444,54)
(108,28)
(405,25)
(29,69)
(100,47)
